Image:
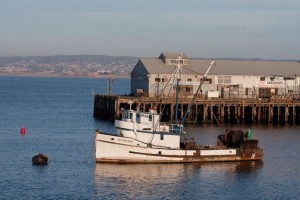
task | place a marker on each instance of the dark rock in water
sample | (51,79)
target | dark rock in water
(40,159)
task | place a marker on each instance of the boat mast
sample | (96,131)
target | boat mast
(178,70)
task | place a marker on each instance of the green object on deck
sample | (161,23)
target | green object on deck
(249,134)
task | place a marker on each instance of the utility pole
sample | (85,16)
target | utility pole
(110,85)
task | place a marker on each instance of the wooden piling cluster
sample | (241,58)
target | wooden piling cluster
(219,110)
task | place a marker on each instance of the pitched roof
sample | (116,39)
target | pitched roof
(225,67)
(173,55)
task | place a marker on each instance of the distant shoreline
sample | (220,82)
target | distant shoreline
(58,74)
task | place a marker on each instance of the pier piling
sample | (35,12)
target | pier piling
(203,110)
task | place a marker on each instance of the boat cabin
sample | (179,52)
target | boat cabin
(150,118)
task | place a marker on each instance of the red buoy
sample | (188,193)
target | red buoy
(23,130)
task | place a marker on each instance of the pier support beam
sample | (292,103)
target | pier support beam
(221,110)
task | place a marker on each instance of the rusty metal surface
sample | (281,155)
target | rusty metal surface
(197,158)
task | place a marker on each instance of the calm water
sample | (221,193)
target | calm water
(58,116)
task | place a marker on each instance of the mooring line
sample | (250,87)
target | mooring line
(93,147)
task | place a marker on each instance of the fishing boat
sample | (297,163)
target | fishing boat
(141,138)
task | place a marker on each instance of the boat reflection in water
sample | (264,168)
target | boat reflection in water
(167,180)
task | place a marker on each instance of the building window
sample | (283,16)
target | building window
(227,79)
(224,79)
(189,79)
(262,78)
(157,79)
(173,61)
(150,118)
(162,80)
(220,79)
(288,78)
(188,89)
(206,81)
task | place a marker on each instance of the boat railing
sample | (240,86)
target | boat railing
(176,128)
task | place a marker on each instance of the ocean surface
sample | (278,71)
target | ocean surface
(58,116)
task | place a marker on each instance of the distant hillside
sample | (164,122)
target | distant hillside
(67,58)
(68,65)
(103,59)
(245,59)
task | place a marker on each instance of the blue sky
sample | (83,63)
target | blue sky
(268,29)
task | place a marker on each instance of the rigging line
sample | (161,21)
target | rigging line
(167,84)
(186,68)
(193,100)
(171,88)
(199,88)
(154,85)
(196,116)
(191,70)
(159,97)
(195,121)
(217,118)
(173,76)
(174,73)
(91,149)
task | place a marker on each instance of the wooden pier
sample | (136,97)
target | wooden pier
(219,110)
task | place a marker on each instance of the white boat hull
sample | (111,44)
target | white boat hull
(111,148)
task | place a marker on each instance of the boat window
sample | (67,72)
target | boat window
(150,118)
(138,118)
(161,136)
(131,114)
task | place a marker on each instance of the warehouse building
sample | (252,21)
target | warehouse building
(226,79)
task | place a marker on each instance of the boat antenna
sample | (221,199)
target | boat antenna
(196,94)
(130,104)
